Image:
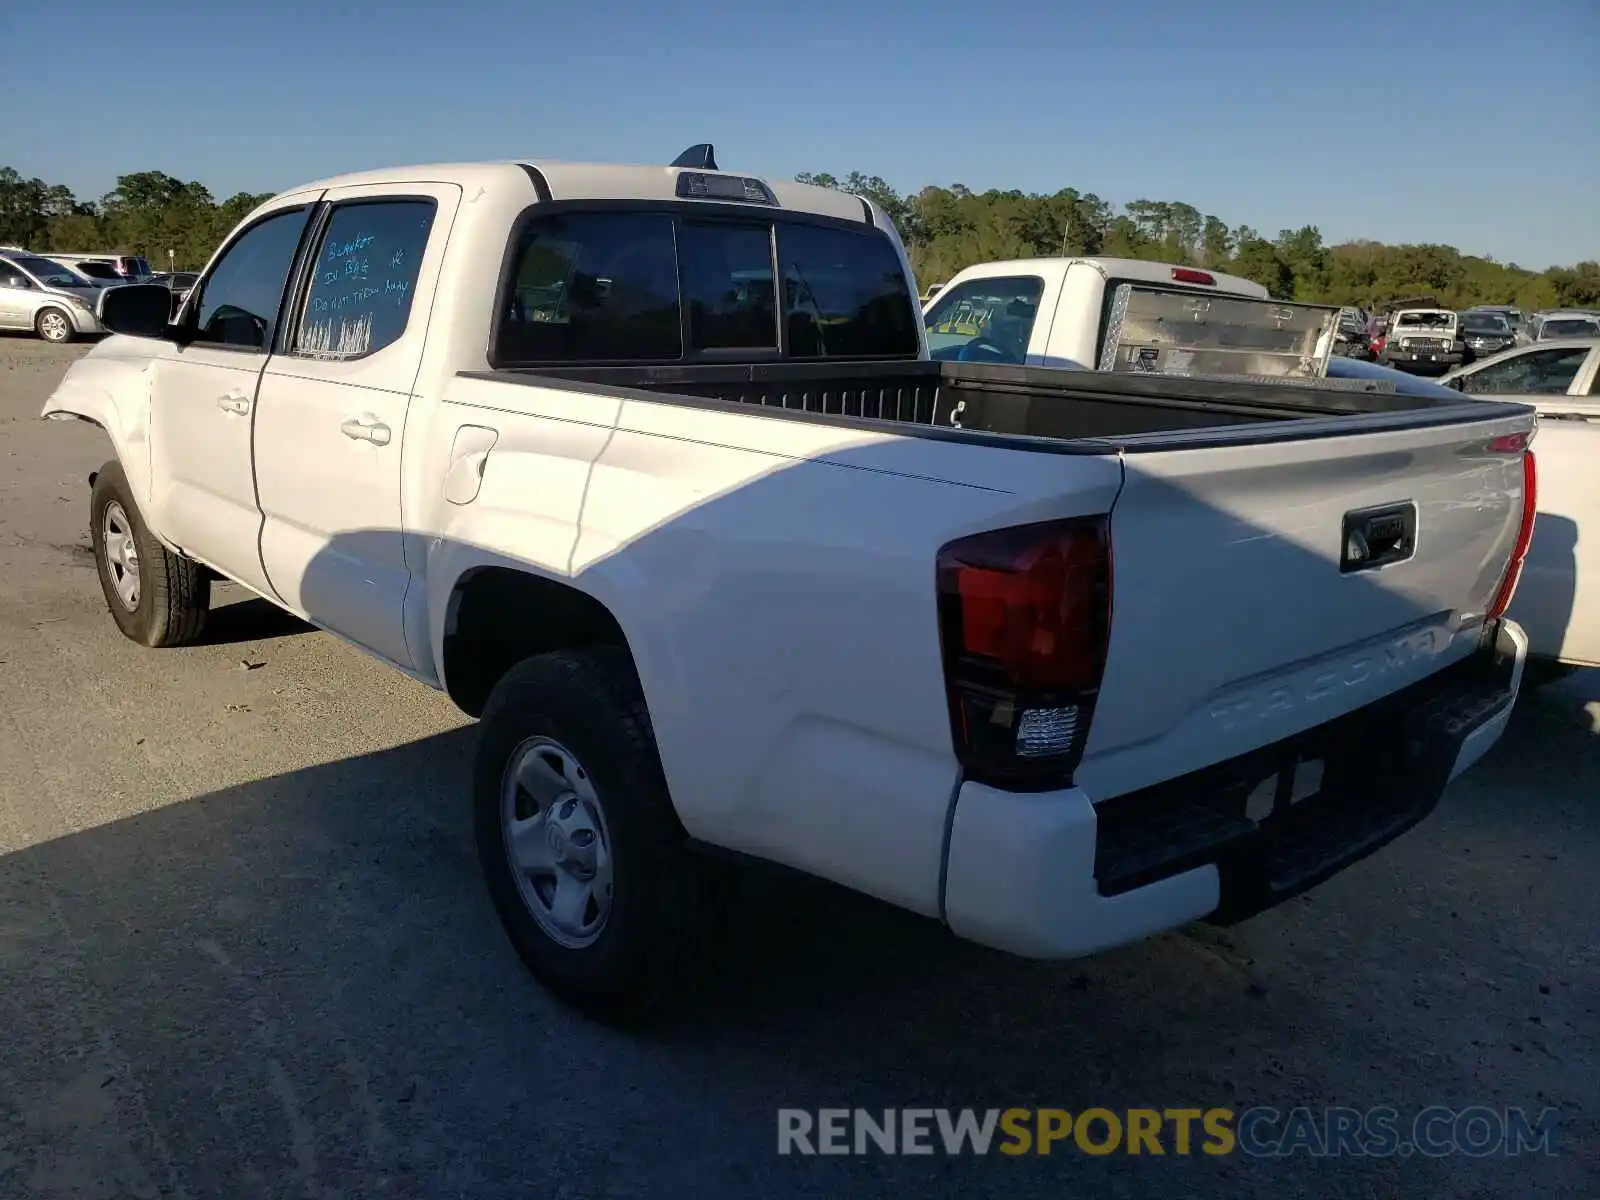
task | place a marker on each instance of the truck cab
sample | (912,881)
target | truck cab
(1114,314)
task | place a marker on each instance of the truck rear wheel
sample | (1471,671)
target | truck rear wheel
(583,854)
(156,597)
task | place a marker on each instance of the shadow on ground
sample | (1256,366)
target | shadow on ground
(250,619)
(297,987)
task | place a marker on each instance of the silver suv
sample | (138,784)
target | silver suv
(42,295)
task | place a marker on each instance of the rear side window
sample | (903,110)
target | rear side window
(364,278)
(596,287)
(844,294)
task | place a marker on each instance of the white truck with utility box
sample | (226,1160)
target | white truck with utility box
(649,468)
(1128,315)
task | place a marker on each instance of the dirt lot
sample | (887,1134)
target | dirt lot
(244,952)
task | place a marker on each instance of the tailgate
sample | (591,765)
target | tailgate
(1237,618)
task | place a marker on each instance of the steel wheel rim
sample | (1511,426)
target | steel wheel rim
(54,326)
(121,555)
(557,843)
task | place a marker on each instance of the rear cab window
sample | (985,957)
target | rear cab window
(683,284)
(985,320)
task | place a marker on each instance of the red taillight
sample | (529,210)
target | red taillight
(1511,443)
(1519,553)
(1190,275)
(1025,617)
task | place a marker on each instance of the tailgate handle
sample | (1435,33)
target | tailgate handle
(1376,537)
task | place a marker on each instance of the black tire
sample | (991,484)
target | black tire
(174,593)
(54,325)
(667,902)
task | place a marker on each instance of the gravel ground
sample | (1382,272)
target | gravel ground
(244,952)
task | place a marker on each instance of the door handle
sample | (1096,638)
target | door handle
(366,428)
(234,402)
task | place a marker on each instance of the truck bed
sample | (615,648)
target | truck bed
(1241,617)
(1074,411)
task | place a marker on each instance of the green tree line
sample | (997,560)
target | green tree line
(945,229)
(948,228)
(148,213)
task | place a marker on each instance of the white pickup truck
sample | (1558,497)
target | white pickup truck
(1123,314)
(649,468)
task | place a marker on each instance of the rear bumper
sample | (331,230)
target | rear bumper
(1055,875)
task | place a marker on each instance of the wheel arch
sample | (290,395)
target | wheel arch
(50,306)
(498,614)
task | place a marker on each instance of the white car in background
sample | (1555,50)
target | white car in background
(1563,323)
(1558,600)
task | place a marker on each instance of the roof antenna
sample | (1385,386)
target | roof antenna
(702,156)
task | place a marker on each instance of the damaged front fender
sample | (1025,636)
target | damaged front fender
(111,387)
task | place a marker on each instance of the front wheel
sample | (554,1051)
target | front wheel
(156,597)
(54,325)
(581,849)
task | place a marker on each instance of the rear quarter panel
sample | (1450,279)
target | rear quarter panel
(775,581)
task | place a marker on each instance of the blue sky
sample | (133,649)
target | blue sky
(1467,122)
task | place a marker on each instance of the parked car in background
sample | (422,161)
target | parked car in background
(1564,367)
(1377,335)
(96,271)
(1564,323)
(1126,315)
(41,294)
(128,268)
(1424,341)
(178,282)
(1351,340)
(1558,600)
(1513,315)
(1486,332)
